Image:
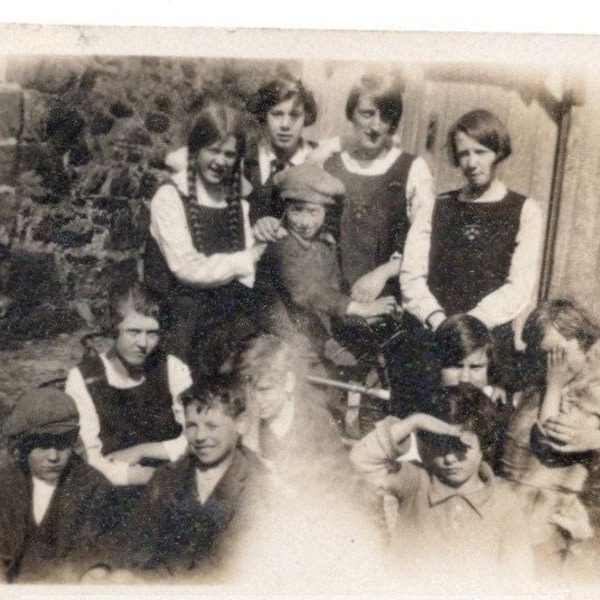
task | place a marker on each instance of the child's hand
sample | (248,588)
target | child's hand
(568,434)
(425,422)
(269,229)
(376,308)
(558,373)
(496,394)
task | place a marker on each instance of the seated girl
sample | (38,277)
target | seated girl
(463,351)
(127,397)
(200,253)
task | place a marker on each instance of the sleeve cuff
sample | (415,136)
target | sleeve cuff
(176,447)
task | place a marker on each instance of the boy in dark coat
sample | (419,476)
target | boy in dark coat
(193,511)
(53,506)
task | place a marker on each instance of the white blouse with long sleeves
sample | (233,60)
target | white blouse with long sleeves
(502,305)
(179,378)
(169,227)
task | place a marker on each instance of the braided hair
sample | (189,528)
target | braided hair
(216,122)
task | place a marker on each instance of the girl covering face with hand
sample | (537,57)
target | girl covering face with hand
(557,425)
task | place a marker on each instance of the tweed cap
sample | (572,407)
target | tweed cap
(42,411)
(310,183)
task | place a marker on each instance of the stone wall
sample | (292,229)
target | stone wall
(82,150)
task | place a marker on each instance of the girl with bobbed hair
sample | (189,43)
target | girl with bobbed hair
(462,352)
(484,127)
(479,250)
(283,106)
(201,253)
(385,189)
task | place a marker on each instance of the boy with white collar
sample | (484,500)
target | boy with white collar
(293,432)
(53,506)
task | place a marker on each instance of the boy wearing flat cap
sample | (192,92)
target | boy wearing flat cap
(302,268)
(53,506)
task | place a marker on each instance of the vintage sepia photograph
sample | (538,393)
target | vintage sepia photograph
(298,312)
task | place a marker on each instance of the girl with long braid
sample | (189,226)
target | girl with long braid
(201,253)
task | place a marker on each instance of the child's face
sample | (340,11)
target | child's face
(270,393)
(453,461)
(473,369)
(305,219)
(215,162)
(575,354)
(212,434)
(47,460)
(137,337)
(285,123)
(372,129)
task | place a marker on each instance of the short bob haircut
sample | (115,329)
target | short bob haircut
(214,123)
(218,391)
(386,93)
(467,406)
(569,319)
(484,127)
(125,297)
(461,335)
(279,90)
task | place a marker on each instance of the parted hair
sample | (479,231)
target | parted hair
(216,122)
(125,296)
(279,90)
(484,127)
(460,335)
(386,93)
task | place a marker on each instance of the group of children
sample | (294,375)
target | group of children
(474,481)
(168,455)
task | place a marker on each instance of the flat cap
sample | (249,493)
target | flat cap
(42,411)
(310,183)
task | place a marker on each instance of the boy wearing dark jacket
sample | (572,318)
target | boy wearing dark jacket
(53,506)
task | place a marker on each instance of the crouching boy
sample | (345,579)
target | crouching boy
(448,516)
(53,506)
(193,512)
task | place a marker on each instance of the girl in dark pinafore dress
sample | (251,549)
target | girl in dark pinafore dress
(201,254)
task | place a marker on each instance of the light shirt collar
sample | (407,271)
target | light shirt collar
(117,378)
(282,423)
(439,492)
(42,496)
(378,166)
(180,180)
(266,156)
